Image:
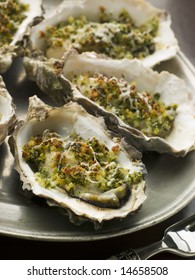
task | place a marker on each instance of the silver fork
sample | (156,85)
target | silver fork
(178,239)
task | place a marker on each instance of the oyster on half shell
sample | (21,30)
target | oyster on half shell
(66,156)
(16,18)
(162,93)
(7,112)
(111,29)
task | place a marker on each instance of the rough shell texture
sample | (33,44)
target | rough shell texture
(65,120)
(9,52)
(7,112)
(140,11)
(172,89)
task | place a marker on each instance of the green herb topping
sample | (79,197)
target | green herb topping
(141,110)
(83,168)
(117,38)
(12,13)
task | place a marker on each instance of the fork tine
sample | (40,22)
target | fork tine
(191,226)
(188,224)
(191,223)
(178,239)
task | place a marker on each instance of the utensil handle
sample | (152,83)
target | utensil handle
(129,254)
(142,253)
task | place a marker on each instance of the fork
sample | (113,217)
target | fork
(178,239)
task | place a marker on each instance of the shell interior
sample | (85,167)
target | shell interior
(67,120)
(9,51)
(171,89)
(54,78)
(166,45)
(7,112)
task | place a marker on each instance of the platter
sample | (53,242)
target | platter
(170,180)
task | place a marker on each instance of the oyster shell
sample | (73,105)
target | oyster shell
(162,47)
(172,90)
(67,158)
(14,28)
(7,112)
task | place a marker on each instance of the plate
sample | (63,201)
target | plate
(170,181)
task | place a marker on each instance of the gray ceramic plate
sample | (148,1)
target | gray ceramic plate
(170,181)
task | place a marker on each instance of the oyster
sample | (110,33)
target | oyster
(111,29)
(154,111)
(66,156)
(16,17)
(7,112)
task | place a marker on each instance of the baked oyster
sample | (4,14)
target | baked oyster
(16,16)
(153,111)
(66,156)
(111,29)
(7,112)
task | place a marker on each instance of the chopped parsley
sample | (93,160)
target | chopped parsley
(116,38)
(12,13)
(79,167)
(141,110)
